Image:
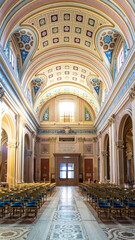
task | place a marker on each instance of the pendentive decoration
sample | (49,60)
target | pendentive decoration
(46,115)
(87,115)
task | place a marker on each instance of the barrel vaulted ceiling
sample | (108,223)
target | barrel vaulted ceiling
(66,47)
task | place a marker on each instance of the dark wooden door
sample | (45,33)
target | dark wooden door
(88,169)
(67,169)
(44,169)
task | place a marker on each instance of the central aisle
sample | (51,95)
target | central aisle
(67,217)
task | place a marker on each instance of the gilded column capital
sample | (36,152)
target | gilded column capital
(132,93)
(80,139)
(21,119)
(38,139)
(100,134)
(120,144)
(28,153)
(111,120)
(52,139)
(12,144)
(33,134)
(95,139)
(104,153)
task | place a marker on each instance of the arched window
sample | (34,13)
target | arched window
(12,58)
(120,58)
(67,108)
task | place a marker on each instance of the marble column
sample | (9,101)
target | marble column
(32,157)
(120,162)
(110,149)
(20,171)
(132,97)
(52,158)
(101,158)
(21,149)
(11,162)
(95,159)
(1,100)
(104,155)
(38,166)
(29,165)
(81,161)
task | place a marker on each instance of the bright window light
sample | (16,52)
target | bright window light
(67,109)
(120,58)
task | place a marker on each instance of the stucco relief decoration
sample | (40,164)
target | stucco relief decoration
(46,115)
(107,43)
(67,130)
(68,27)
(96,83)
(87,115)
(25,42)
(88,148)
(37,83)
(45,148)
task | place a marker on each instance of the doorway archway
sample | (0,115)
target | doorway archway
(8,147)
(126,164)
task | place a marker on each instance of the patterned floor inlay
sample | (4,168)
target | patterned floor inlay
(67,216)
(119,233)
(67,232)
(67,223)
(14,233)
(67,208)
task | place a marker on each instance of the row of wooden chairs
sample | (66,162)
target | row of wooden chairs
(110,200)
(24,199)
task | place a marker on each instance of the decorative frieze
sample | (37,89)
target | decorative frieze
(84,131)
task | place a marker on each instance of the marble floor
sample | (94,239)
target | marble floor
(65,216)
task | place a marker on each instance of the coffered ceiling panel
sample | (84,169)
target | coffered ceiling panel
(69,27)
